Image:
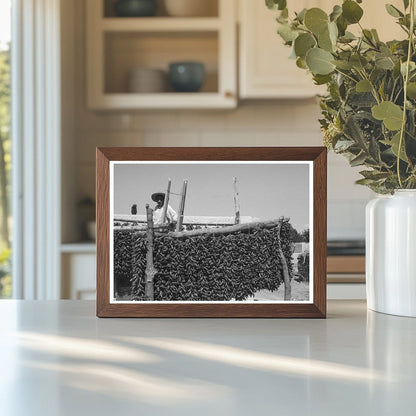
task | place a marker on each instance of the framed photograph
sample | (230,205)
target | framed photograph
(211,232)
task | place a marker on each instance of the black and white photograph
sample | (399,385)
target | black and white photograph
(211,231)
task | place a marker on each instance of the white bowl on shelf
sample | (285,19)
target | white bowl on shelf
(147,80)
(191,8)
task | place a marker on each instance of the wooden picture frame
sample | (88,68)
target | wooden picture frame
(110,161)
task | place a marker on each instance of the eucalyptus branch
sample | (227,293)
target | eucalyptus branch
(392,91)
(373,88)
(404,28)
(406,79)
(346,75)
(390,99)
(398,95)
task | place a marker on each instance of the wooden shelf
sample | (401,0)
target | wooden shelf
(117,45)
(196,100)
(346,264)
(81,247)
(346,269)
(160,24)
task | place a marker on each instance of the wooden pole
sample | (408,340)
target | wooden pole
(166,202)
(181,207)
(236,201)
(150,270)
(285,269)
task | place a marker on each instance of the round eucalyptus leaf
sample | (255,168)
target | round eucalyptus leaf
(351,11)
(395,144)
(391,114)
(344,65)
(411,90)
(393,11)
(363,86)
(321,79)
(301,15)
(384,62)
(346,38)
(303,43)
(342,25)
(325,42)
(287,33)
(333,32)
(403,68)
(336,12)
(316,20)
(276,4)
(319,61)
(358,61)
(301,63)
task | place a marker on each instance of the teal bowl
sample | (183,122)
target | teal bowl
(135,8)
(186,76)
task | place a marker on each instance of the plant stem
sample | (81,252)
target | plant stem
(346,75)
(373,88)
(406,79)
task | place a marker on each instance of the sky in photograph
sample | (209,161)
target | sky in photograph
(267,191)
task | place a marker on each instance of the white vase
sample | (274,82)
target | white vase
(391,253)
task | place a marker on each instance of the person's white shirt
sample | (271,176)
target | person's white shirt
(171,215)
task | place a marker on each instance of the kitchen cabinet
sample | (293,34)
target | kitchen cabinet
(118,45)
(265,70)
(346,277)
(78,263)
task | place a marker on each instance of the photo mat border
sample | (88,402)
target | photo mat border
(181,162)
(316,308)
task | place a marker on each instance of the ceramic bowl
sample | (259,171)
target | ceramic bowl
(186,76)
(147,80)
(135,8)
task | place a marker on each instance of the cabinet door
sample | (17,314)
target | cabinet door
(78,276)
(265,68)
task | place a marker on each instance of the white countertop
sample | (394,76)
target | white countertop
(57,358)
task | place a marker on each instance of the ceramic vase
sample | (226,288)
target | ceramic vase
(391,253)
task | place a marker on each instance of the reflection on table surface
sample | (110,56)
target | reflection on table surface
(58,359)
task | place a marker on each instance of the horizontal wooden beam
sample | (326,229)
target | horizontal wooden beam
(226,230)
(229,229)
(191,219)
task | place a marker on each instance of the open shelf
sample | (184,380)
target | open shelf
(210,9)
(116,46)
(167,100)
(87,247)
(127,51)
(160,24)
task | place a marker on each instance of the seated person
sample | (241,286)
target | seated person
(171,215)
